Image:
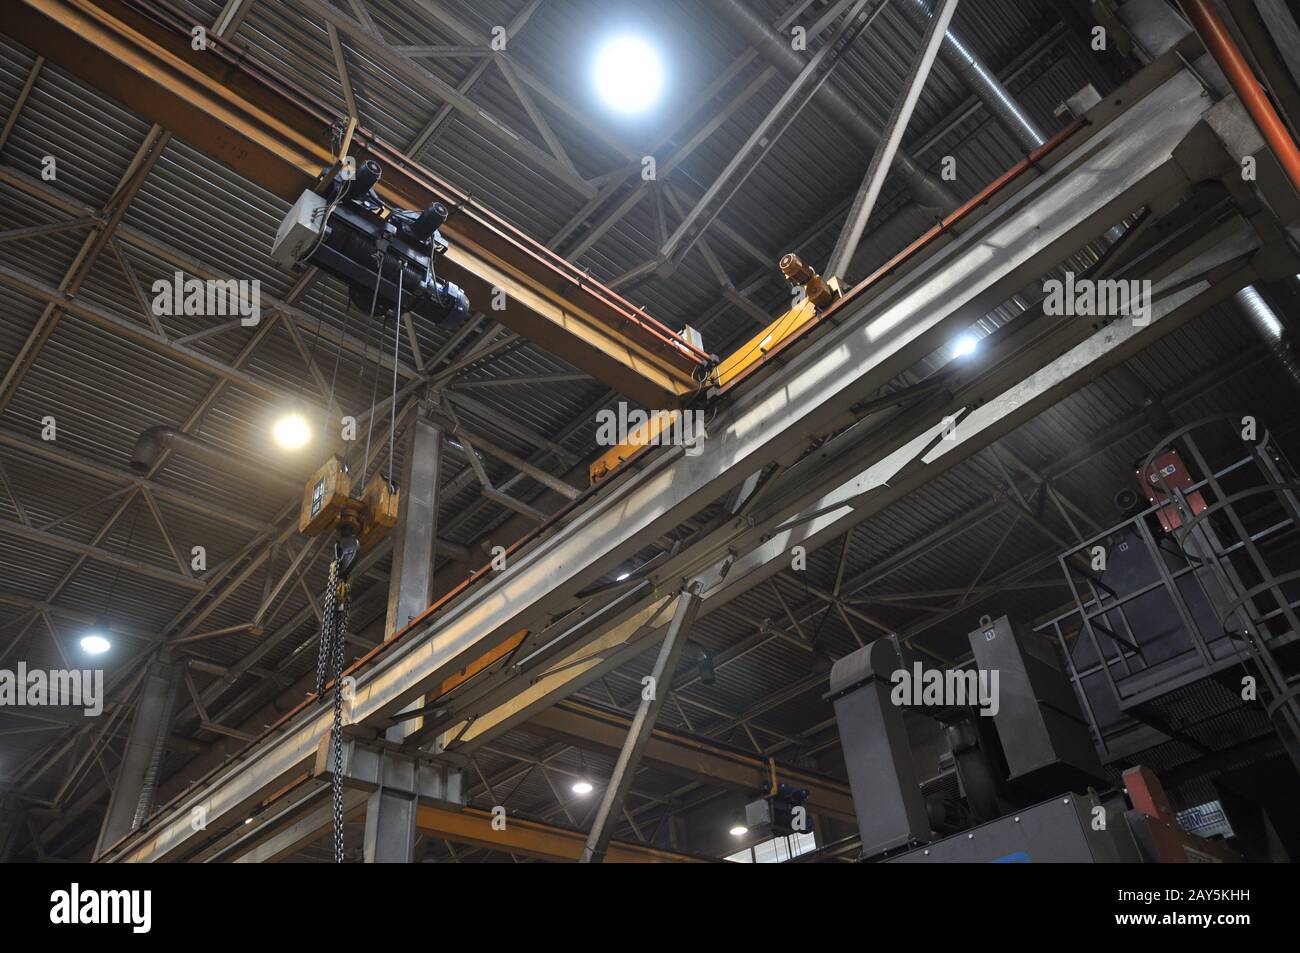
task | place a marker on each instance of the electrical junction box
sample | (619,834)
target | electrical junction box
(1165,474)
(299,231)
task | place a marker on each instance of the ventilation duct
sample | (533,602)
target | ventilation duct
(153,442)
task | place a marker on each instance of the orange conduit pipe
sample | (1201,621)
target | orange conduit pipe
(1214,34)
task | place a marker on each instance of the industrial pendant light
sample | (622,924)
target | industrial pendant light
(582,785)
(96,641)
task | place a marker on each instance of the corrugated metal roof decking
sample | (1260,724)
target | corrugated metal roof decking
(104,390)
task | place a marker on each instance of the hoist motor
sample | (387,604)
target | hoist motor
(352,234)
(780,813)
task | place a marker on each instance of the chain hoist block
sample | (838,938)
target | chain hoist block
(365,519)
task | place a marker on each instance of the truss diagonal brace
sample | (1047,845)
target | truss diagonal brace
(652,699)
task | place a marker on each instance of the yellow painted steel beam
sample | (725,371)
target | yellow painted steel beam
(643,435)
(278,136)
(473,827)
(565,674)
(755,351)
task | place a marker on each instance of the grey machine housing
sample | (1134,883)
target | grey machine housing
(1026,770)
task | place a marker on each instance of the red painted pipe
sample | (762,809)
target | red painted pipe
(1214,34)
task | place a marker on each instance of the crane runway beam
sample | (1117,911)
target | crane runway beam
(890,468)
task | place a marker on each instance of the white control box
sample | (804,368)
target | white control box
(300,230)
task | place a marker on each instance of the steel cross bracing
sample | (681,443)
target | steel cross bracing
(226,23)
(1122,163)
(404,369)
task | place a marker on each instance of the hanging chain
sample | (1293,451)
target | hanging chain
(329,666)
(341,613)
(326,630)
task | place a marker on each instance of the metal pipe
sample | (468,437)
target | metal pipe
(153,441)
(1270,329)
(1214,34)
(149,787)
(138,773)
(981,80)
(775,48)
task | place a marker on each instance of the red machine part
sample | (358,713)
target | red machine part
(1167,472)
(1173,845)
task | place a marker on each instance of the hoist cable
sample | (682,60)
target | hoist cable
(374,390)
(397,347)
(338,354)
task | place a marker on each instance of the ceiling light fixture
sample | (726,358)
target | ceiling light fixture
(628,74)
(96,640)
(965,345)
(738,830)
(583,787)
(291,432)
(93,643)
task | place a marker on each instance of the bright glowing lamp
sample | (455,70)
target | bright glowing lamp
(291,432)
(93,643)
(965,345)
(629,75)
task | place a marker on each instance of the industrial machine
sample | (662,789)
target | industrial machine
(780,812)
(386,256)
(359,522)
(1020,780)
(1177,662)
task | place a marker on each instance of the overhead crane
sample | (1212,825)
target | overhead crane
(812,381)
(280,137)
